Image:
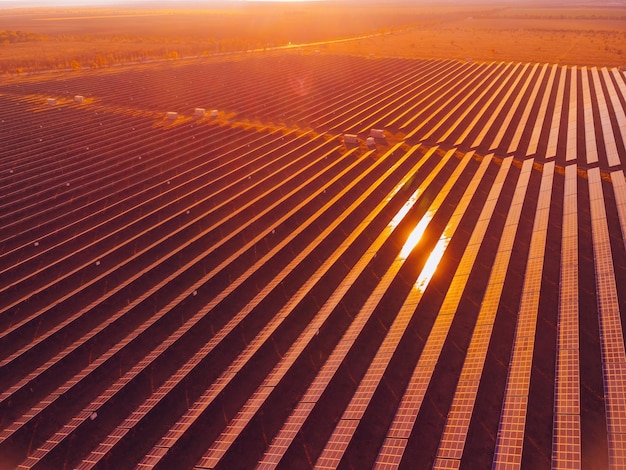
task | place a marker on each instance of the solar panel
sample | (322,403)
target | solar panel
(605,120)
(217,386)
(619,189)
(330,367)
(470,109)
(55,342)
(523,122)
(479,140)
(293,353)
(618,110)
(451,91)
(111,319)
(556,116)
(340,438)
(398,90)
(591,145)
(611,338)
(462,104)
(458,421)
(572,141)
(513,107)
(542,113)
(510,436)
(403,103)
(410,404)
(140,412)
(620,90)
(434,89)
(492,96)
(334,114)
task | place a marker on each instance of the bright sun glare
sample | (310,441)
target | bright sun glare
(415,236)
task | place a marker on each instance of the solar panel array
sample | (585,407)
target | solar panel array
(242,289)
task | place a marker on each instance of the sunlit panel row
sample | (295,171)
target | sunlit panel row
(409,407)
(339,440)
(453,439)
(566,451)
(611,337)
(512,421)
(175,292)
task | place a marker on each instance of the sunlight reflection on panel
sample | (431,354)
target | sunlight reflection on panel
(404,210)
(415,236)
(431,264)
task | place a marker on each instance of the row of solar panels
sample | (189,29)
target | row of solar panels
(525,109)
(202,295)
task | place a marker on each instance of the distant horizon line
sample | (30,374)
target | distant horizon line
(12,4)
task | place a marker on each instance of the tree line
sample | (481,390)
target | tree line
(74,55)
(12,37)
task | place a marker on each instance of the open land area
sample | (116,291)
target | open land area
(98,37)
(573,36)
(313,236)
(44,39)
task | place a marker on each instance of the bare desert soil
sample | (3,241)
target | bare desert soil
(46,39)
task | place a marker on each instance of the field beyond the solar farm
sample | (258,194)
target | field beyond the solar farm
(75,38)
(402,245)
